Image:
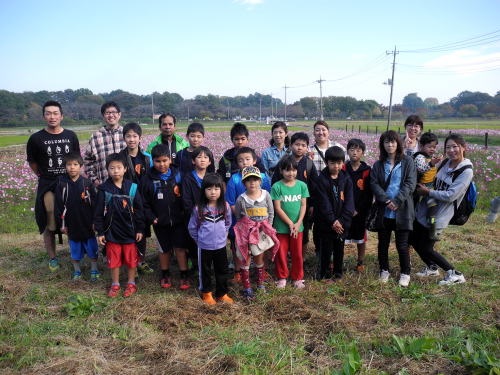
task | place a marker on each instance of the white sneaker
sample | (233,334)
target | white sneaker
(452,277)
(404,280)
(281,283)
(384,276)
(299,284)
(426,272)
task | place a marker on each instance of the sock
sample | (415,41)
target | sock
(131,282)
(165,274)
(260,274)
(93,265)
(245,278)
(113,284)
(76,266)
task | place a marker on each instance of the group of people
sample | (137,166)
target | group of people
(266,206)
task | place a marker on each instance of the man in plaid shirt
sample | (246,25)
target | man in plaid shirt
(105,141)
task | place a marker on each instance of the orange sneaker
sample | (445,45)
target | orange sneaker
(208,299)
(129,290)
(114,291)
(225,298)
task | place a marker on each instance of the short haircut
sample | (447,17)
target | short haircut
(134,126)
(390,135)
(245,150)
(334,153)
(356,143)
(195,127)
(321,122)
(115,157)
(110,104)
(288,163)
(163,115)
(299,136)
(51,103)
(202,150)
(160,150)
(414,119)
(239,129)
(73,156)
(428,138)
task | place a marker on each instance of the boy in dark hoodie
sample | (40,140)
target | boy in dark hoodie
(228,164)
(138,164)
(163,209)
(359,172)
(119,222)
(75,199)
(333,213)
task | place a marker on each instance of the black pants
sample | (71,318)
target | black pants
(424,247)
(217,258)
(384,240)
(329,243)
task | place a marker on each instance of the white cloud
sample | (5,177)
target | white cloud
(465,62)
(249,2)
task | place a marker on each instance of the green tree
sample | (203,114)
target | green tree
(412,102)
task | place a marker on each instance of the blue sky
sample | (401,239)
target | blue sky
(239,47)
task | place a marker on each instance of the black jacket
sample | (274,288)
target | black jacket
(184,162)
(330,206)
(145,161)
(117,217)
(363,196)
(162,199)
(75,202)
(191,191)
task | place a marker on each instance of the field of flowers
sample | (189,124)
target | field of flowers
(18,184)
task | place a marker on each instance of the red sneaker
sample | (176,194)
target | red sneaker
(165,283)
(114,291)
(129,290)
(184,285)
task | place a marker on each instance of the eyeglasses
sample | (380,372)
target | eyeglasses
(109,113)
(413,126)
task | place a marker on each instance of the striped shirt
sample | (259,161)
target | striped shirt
(102,143)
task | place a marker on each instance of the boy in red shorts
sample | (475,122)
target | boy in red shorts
(119,223)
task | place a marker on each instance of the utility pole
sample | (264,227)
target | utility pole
(391,82)
(260,110)
(271,106)
(320,97)
(285,100)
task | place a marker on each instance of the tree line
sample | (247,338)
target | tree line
(83,106)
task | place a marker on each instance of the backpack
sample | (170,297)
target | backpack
(469,201)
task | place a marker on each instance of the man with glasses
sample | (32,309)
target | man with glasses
(175,143)
(105,141)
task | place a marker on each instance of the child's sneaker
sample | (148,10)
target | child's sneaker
(54,264)
(77,275)
(114,291)
(94,275)
(299,284)
(281,283)
(248,293)
(129,290)
(208,299)
(384,276)
(404,280)
(184,284)
(452,277)
(165,283)
(144,268)
(225,299)
(426,272)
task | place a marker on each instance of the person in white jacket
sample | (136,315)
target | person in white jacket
(449,187)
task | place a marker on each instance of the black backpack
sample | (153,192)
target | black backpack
(469,201)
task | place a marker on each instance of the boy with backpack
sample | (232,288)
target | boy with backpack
(184,162)
(163,209)
(74,212)
(138,164)
(119,223)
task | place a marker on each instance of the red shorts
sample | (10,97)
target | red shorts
(119,254)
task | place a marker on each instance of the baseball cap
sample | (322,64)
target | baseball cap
(250,171)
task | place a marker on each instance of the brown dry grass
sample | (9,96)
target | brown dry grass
(158,332)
